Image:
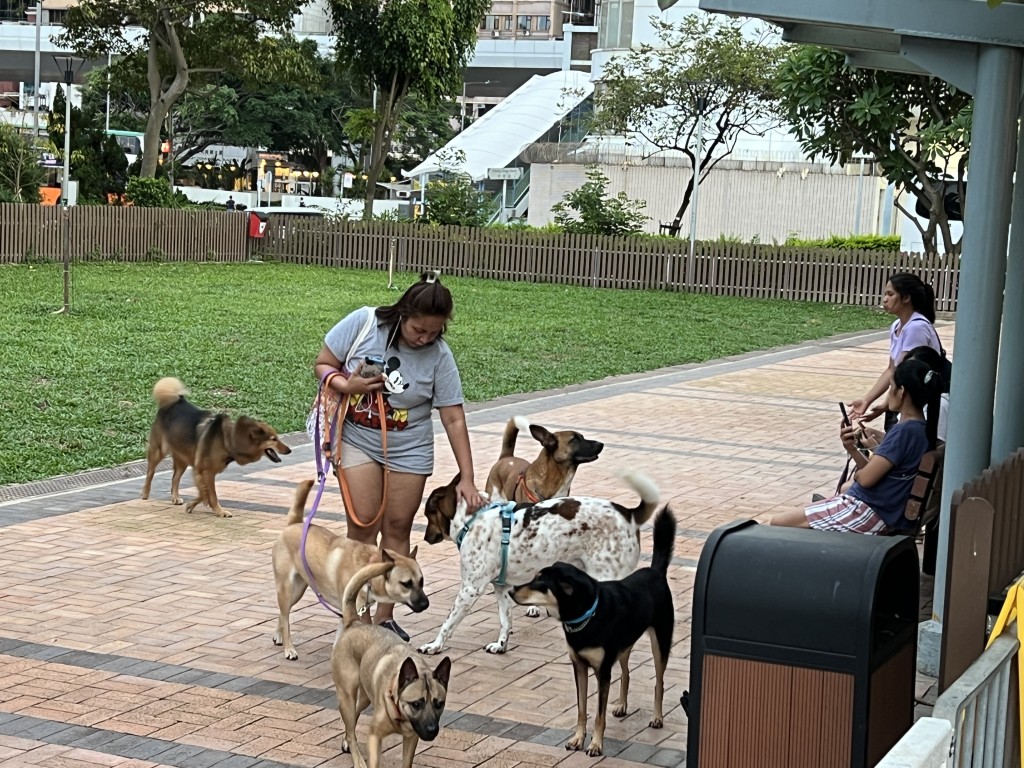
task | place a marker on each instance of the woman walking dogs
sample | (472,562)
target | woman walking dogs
(388,368)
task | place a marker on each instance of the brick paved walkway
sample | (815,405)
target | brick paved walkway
(133,634)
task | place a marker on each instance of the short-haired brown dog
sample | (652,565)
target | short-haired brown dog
(205,441)
(372,665)
(548,476)
(333,561)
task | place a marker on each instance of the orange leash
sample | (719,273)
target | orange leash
(335,451)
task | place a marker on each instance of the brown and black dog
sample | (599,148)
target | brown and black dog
(205,441)
(550,475)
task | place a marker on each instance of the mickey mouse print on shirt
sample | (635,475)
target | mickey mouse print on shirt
(363,409)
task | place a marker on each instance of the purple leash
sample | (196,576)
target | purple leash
(321,473)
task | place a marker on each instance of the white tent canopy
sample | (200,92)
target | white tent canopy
(497,138)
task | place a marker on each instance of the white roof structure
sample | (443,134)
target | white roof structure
(497,138)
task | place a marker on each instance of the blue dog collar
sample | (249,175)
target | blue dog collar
(577,624)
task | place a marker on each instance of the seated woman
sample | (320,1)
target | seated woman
(873,437)
(882,483)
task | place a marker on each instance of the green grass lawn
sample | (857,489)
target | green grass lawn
(76,390)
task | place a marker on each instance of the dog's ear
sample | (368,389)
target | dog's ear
(455,480)
(545,438)
(408,673)
(566,587)
(414,551)
(443,671)
(385,556)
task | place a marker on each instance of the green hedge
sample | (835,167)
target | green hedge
(851,242)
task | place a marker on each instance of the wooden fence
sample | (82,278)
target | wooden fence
(35,232)
(1002,486)
(726,269)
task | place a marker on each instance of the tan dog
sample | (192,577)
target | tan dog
(550,475)
(205,441)
(333,561)
(371,665)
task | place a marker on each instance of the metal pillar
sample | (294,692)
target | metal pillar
(1008,431)
(982,276)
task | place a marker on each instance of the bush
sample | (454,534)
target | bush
(850,242)
(589,210)
(149,193)
(20,173)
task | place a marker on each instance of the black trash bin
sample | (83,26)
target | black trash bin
(803,648)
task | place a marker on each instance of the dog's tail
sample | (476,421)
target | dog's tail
(167,391)
(664,540)
(508,440)
(360,579)
(299,502)
(649,494)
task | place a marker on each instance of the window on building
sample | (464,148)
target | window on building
(616,27)
(543,23)
(524,23)
(508,23)
(490,22)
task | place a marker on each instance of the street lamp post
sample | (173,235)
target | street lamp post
(66,64)
(464,84)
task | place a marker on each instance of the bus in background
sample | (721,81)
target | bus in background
(131,143)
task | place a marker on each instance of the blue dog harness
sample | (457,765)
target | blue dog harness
(507,511)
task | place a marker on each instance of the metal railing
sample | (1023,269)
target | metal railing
(978,706)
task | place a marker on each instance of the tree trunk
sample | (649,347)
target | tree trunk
(162,35)
(391,107)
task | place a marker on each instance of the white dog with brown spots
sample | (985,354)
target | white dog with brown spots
(599,536)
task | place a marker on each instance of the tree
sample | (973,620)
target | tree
(404,47)
(653,92)
(21,176)
(183,39)
(453,199)
(97,162)
(915,126)
(589,211)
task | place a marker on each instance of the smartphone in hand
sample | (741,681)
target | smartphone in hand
(846,416)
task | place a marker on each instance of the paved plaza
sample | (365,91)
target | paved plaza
(134,634)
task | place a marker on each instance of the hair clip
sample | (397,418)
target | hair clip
(928,376)
(432,276)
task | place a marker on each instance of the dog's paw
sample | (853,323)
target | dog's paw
(430,648)
(533,612)
(575,743)
(619,710)
(221,512)
(656,722)
(595,750)
(497,647)
(291,654)
(276,639)
(177,501)
(344,747)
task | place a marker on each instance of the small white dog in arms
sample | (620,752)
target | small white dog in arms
(597,535)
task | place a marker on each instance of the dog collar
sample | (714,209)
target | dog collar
(394,702)
(576,625)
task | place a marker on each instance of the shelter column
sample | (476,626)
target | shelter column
(1008,432)
(982,277)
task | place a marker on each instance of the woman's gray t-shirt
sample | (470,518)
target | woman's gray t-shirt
(418,380)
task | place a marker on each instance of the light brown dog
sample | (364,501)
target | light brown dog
(205,441)
(333,561)
(371,665)
(550,475)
